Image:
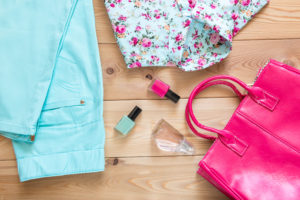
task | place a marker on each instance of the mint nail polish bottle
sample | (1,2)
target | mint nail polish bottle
(125,125)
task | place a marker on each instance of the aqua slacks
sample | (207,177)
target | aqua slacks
(51,95)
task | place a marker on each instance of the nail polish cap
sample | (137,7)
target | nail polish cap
(172,96)
(134,113)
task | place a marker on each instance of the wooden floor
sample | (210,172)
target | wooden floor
(135,169)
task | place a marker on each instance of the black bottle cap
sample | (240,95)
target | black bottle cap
(134,113)
(172,96)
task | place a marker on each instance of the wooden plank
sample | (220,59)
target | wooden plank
(244,61)
(278,20)
(142,178)
(213,112)
(135,168)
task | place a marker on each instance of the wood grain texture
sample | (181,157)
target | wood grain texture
(143,178)
(135,168)
(212,112)
(278,20)
(243,62)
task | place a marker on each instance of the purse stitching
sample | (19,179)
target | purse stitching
(236,150)
(267,131)
(238,110)
(266,106)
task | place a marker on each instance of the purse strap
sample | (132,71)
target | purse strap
(256,93)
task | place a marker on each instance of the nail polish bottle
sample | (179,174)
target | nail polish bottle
(125,125)
(163,90)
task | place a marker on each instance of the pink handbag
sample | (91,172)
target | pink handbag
(257,155)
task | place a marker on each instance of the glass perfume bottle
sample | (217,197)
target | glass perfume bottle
(167,138)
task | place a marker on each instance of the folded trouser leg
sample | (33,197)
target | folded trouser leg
(30,35)
(69,131)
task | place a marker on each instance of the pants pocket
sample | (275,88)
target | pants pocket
(65,95)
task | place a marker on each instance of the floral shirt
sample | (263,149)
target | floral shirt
(191,34)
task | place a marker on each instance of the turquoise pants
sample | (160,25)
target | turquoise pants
(51,95)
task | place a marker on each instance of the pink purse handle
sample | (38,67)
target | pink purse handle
(257,94)
(189,111)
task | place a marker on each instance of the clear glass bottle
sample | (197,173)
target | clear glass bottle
(167,138)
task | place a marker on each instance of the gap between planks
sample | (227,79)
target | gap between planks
(128,157)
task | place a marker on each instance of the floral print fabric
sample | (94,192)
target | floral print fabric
(191,34)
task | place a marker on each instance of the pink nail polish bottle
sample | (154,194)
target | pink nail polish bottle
(163,90)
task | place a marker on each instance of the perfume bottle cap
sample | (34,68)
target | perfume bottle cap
(134,113)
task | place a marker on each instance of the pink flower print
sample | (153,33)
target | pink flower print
(179,37)
(146,42)
(157,14)
(234,16)
(147,16)
(195,35)
(186,23)
(207,16)
(235,30)
(118,1)
(246,2)
(201,62)
(135,64)
(213,6)
(138,28)
(112,5)
(214,38)
(179,47)
(154,58)
(222,40)
(134,41)
(216,28)
(121,29)
(192,3)
(188,60)
(122,18)
(198,45)
(215,55)
(236,2)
